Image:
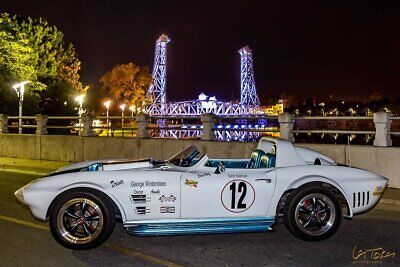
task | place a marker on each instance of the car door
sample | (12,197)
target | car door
(233,193)
(147,195)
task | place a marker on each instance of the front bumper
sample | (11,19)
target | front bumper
(19,194)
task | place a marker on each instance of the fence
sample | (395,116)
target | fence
(381,127)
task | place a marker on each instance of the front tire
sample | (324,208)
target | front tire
(312,213)
(82,220)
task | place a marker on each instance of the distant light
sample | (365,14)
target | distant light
(219,126)
(202,97)
(107,104)
(122,107)
(80,98)
(236,126)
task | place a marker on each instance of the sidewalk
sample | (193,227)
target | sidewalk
(40,167)
(390,199)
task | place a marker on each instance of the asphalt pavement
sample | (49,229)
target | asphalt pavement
(371,238)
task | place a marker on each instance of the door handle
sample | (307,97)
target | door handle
(264,179)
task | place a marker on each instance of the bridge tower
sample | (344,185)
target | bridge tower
(248,93)
(157,91)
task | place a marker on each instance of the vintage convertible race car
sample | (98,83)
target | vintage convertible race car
(193,194)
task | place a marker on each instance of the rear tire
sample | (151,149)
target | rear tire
(82,220)
(312,213)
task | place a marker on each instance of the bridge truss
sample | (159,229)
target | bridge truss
(159,107)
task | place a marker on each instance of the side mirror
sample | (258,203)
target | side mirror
(220,168)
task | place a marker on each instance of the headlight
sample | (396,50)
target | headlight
(19,194)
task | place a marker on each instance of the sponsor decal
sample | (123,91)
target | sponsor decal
(170,198)
(116,183)
(238,196)
(148,184)
(140,199)
(371,255)
(378,190)
(237,175)
(191,182)
(142,210)
(167,209)
(199,175)
(155,191)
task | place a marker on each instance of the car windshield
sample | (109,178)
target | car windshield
(187,157)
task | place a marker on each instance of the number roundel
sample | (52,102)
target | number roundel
(238,196)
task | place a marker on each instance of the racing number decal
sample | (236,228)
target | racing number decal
(237,196)
(242,190)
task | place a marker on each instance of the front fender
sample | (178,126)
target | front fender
(95,187)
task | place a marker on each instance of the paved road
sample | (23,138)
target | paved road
(25,241)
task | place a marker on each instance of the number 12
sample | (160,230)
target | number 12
(241,189)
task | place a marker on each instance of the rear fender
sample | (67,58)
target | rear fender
(316,178)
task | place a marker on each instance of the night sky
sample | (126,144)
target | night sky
(347,49)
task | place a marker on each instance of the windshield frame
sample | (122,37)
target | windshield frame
(187,157)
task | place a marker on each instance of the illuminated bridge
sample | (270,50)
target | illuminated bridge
(249,101)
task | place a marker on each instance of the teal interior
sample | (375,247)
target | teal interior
(258,160)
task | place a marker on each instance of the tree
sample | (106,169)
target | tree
(31,49)
(127,83)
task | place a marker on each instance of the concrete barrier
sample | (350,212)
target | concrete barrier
(382,160)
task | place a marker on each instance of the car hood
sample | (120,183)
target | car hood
(104,165)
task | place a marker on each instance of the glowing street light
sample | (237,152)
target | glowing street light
(122,107)
(20,90)
(107,105)
(79,100)
(132,109)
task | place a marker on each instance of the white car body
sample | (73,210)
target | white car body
(168,199)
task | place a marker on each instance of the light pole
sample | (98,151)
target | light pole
(132,109)
(79,99)
(107,105)
(122,107)
(20,89)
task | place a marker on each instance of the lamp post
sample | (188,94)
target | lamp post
(132,109)
(107,105)
(20,89)
(79,99)
(122,107)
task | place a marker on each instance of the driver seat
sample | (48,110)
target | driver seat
(255,161)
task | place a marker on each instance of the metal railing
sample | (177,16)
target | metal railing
(190,127)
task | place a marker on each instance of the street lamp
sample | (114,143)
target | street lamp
(79,99)
(132,109)
(107,105)
(20,89)
(122,107)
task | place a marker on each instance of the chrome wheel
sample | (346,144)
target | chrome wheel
(315,214)
(80,220)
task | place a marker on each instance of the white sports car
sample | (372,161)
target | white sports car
(193,194)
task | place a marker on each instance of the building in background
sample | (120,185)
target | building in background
(275,109)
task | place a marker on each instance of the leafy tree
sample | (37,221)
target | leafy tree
(31,49)
(127,83)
